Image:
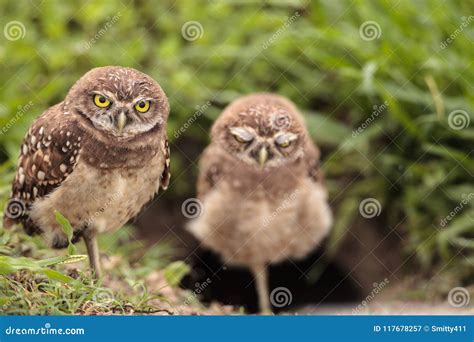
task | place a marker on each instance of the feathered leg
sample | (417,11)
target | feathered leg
(260,273)
(93,252)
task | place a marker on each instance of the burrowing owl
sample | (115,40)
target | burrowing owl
(261,188)
(97,158)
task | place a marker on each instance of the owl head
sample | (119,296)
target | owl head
(262,130)
(119,102)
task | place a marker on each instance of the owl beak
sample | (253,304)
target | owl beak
(262,156)
(121,121)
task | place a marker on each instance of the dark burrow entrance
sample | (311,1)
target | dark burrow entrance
(365,257)
(311,282)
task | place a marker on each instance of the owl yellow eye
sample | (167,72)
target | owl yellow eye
(284,140)
(240,140)
(101,101)
(284,144)
(142,106)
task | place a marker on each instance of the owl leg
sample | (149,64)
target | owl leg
(93,252)
(260,273)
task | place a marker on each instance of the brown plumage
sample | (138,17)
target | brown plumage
(261,187)
(97,158)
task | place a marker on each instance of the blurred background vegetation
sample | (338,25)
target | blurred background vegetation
(318,54)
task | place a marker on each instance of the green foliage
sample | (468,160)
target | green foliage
(10,265)
(37,285)
(68,230)
(408,157)
(175,272)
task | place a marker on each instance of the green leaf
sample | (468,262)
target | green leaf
(69,259)
(175,272)
(55,275)
(68,230)
(6,268)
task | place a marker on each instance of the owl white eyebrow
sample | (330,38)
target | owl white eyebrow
(242,132)
(137,99)
(281,137)
(107,94)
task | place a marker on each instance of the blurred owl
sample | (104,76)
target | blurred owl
(96,158)
(261,188)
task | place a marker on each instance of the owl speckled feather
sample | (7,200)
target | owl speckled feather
(261,187)
(97,158)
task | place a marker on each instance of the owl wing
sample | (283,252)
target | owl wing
(211,170)
(48,155)
(313,163)
(166,174)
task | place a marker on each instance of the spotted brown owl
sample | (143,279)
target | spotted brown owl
(261,188)
(97,158)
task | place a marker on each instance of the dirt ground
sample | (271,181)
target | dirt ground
(388,308)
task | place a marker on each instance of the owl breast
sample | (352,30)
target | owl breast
(257,227)
(102,199)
